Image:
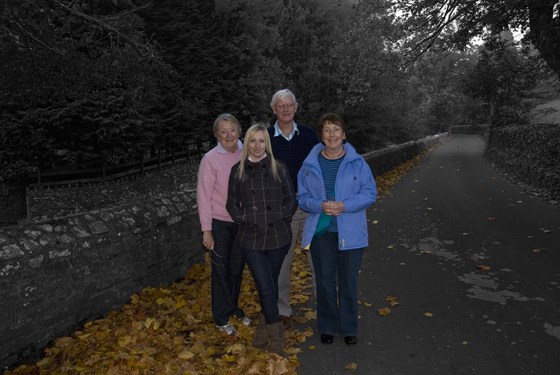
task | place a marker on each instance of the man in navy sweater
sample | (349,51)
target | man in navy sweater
(291,142)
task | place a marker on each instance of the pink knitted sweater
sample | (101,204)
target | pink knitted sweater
(212,185)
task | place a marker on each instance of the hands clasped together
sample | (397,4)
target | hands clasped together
(332,208)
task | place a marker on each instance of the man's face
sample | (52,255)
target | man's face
(285,109)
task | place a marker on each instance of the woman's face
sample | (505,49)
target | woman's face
(228,135)
(332,135)
(257,146)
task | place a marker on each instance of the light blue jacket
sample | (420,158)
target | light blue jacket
(354,186)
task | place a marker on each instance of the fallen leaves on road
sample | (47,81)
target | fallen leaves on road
(390,178)
(483,267)
(428,314)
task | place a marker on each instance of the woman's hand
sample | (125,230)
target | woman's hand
(208,239)
(333,208)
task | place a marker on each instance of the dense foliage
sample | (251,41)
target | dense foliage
(502,78)
(529,154)
(85,81)
(74,88)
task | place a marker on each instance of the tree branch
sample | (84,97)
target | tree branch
(138,47)
(36,40)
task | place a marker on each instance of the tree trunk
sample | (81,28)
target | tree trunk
(545,31)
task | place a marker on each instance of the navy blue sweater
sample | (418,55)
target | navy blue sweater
(293,152)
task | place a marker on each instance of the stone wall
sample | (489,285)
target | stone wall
(57,274)
(384,160)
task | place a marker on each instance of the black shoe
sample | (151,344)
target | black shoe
(327,339)
(350,340)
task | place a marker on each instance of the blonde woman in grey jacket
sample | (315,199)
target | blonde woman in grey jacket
(262,200)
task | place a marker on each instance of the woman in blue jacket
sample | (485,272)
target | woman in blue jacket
(335,186)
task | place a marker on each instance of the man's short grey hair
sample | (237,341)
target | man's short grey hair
(282,94)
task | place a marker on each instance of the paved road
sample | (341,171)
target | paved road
(446,218)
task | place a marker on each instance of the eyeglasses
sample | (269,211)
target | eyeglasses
(286,106)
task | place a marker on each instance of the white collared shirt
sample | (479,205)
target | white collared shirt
(222,150)
(288,137)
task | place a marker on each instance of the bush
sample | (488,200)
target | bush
(530,153)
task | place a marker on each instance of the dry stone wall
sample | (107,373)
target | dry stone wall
(57,274)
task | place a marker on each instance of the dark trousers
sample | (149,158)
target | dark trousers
(227,272)
(336,272)
(265,267)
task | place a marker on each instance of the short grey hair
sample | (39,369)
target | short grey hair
(282,94)
(226,117)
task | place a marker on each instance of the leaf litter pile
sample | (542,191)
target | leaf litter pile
(169,330)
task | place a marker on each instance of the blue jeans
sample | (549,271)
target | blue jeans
(337,285)
(227,272)
(265,266)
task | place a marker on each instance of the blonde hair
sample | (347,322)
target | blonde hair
(249,134)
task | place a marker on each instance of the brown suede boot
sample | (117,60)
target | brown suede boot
(261,334)
(276,334)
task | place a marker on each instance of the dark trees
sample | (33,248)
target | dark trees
(457,22)
(78,82)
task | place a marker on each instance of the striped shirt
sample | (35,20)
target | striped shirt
(329,170)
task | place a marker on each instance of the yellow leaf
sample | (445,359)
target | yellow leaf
(384,311)
(235,348)
(44,362)
(428,314)
(312,347)
(63,342)
(124,341)
(229,358)
(278,367)
(483,267)
(351,366)
(367,304)
(393,301)
(185,355)
(148,322)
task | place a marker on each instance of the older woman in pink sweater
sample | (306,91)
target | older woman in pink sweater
(218,229)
